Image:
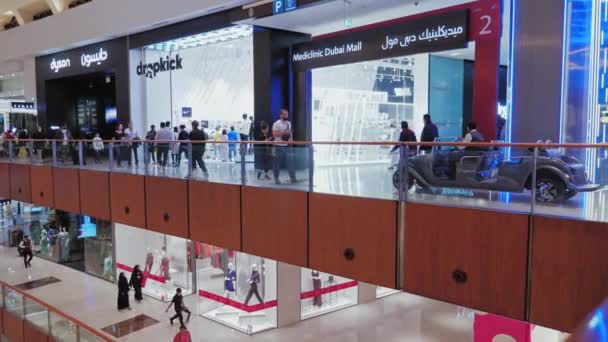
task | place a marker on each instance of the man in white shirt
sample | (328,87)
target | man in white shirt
(472,136)
(244,127)
(131,134)
(282,131)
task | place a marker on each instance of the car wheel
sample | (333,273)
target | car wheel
(549,189)
(397,180)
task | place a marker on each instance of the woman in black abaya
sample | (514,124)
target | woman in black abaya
(136,278)
(123,292)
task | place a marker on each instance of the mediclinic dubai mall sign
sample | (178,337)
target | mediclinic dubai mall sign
(428,34)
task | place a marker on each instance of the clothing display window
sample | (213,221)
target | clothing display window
(236,289)
(163,259)
(322,293)
(98,254)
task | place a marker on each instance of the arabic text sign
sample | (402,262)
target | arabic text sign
(429,34)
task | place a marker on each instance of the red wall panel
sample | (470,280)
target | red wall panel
(354,237)
(66,185)
(20,183)
(13,327)
(95,194)
(128,199)
(167,206)
(5,184)
(42,186)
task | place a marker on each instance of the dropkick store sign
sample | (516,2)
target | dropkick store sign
(430,34)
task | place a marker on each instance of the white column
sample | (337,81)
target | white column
(367,292)
(288,294)
(29,78)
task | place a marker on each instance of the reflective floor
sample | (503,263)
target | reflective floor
(373,181)
(399,317)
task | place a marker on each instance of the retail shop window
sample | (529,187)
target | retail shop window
(164,260)
(322,293)
(237,289)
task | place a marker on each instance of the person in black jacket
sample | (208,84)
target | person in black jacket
(198,149)
(135,282)
(183,137)
(406,135)
(429,133)
(123,292)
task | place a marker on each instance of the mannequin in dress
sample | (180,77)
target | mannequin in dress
(253,281)
(149,262)
(44,243)
(64,244)
(316,284)
(164,265)
(230,282)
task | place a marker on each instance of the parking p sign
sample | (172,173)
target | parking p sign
(282,6)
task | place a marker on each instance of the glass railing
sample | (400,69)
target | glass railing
(570,179)
(47,319)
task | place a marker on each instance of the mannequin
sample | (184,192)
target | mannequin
(44,243)
(229,282)
(149,262)
(253,281)
(108,268)
(164,265)
(316,284)
(64,242)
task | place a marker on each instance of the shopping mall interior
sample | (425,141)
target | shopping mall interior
(336,170)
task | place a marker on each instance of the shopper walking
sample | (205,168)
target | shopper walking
(26,249)
(429,133)
(252,130)
(183,137)
(163,138)
(198,137)
(178,304)
(136,282)
(183,335)
(97,147)
(406,135)
(263,151)
(233,136)
(123,292)
(224,147)
(133,136)
(151,136)
(244,132)
(282,132)
(122,149)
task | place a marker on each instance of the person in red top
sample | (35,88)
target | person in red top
(183,335)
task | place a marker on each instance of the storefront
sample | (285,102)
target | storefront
(366,81)
(165,260)
(86,89)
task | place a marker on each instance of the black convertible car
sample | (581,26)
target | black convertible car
(558,178)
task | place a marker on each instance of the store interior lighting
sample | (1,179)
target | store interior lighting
(206,38)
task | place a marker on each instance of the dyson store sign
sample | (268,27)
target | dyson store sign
(87,60)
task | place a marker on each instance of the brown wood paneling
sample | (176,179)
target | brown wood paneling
(42,186)
(364,228)
(5,183)
(13,327)
(128,199)
(95,194)
(33,334)
(569,271)
(66,185)
(275,224)
(167,206)
(20,183)
(215,214)
(468,257)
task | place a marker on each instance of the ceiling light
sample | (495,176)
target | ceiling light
(206,38)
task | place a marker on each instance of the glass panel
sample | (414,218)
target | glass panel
(237,289)
(67,154)
(566,187)
(42,152)
(280,166)
(356,170)
(96,154)
(37,315)
(13,302)
(322,293)
(86,336)
(62,329)
(21,152)
(4,147)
